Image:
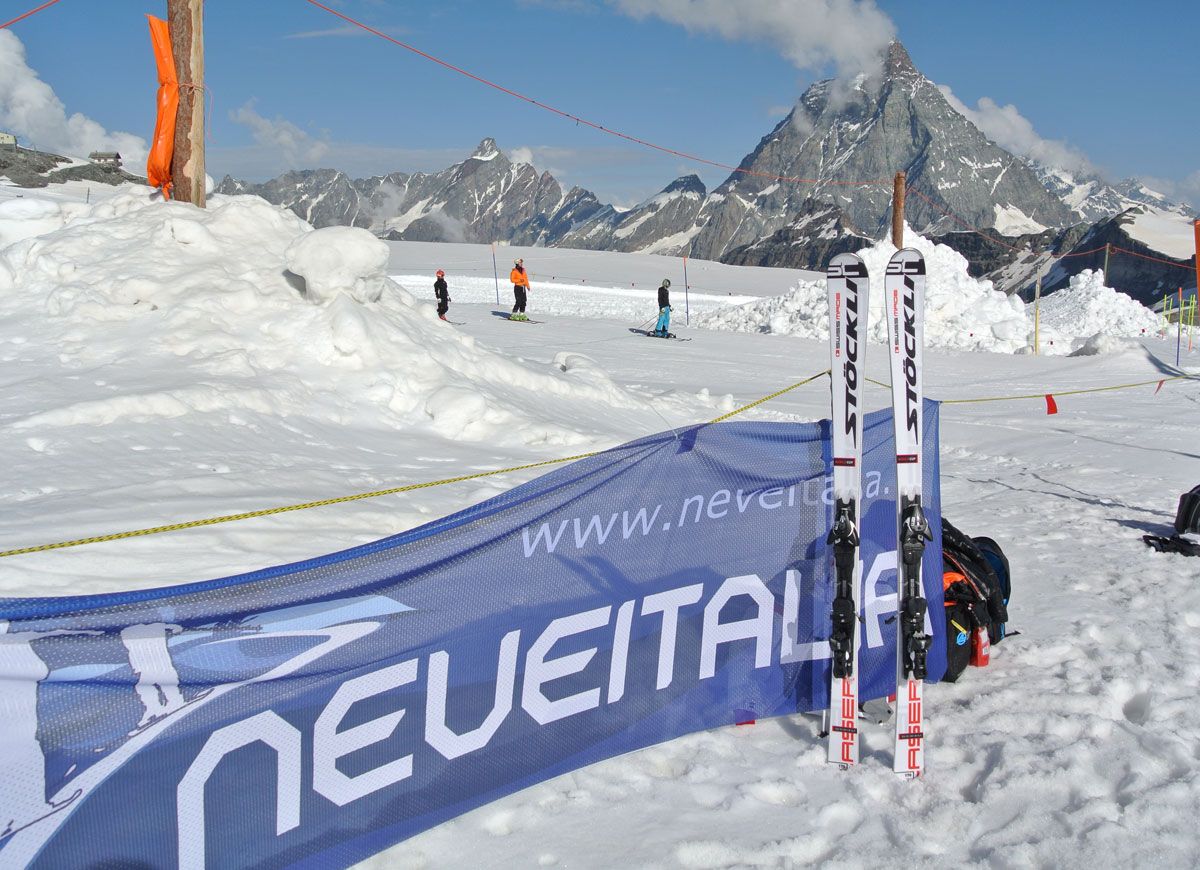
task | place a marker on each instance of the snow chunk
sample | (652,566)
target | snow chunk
(1101,343)
(339,259)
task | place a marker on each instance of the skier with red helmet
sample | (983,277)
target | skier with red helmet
(442,291)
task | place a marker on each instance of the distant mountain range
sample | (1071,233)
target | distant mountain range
(1013,219)
(960,182)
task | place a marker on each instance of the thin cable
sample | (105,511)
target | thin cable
(1080,253)
(595,126)
(962,221)
(1155,259)
(18,18)
(978,232)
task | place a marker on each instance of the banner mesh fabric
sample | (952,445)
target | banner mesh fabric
(316,713)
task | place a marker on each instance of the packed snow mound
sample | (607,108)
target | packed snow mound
(336,259)
(246,308)
(961,312)
(1081,315)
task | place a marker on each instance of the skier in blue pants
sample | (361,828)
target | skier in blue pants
(662,328)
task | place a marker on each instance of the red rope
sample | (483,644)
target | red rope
(978,232)
(27,14)
(962,221)
(1080,253)
(578,120)
(1155,259)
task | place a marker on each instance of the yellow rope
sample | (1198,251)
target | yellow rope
(265,512)
(1051,392)
(1066,392)
(774,395)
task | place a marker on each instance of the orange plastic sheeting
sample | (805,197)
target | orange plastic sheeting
(158,164)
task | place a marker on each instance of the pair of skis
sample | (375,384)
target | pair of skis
(848,287)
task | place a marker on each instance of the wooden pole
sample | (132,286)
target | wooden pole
(1037,318)
(898,211)
(687,312)
(1106,249)
(186,21)
(495,273)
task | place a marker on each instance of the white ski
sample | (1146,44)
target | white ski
(847,285)
(904,298)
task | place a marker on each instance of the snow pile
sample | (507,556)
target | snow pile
(1088,317)
(961,312)
(244,307)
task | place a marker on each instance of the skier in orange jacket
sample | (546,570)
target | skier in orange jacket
(520,281)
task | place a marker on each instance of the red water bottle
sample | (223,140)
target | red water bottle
(981,648)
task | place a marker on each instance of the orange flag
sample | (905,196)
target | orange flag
(158,164)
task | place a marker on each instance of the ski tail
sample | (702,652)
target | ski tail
(848,288)
(904,299)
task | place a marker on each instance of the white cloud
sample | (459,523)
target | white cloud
(30,109)
(1009,129)
(1186,190)
(521,155)
(358,160)
(295,147)
(850,34)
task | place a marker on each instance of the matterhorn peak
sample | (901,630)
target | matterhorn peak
(485,150)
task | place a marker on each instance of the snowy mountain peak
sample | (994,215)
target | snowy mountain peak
(485,150)
(898,63)
(686,184)
(842,133)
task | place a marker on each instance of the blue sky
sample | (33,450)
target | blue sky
(1091,81)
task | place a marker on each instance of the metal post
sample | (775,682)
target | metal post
(1037,317)
(687,314)
(495,273)
(898,210)
(1106,249)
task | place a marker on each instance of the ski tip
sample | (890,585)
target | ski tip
(846,265)
(912,261)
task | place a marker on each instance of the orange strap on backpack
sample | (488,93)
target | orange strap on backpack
(949,578)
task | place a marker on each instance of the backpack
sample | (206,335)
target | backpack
(960,624)
(1187,517)
(982,581)
(995,557)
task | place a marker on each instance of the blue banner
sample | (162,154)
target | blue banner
(314,714)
